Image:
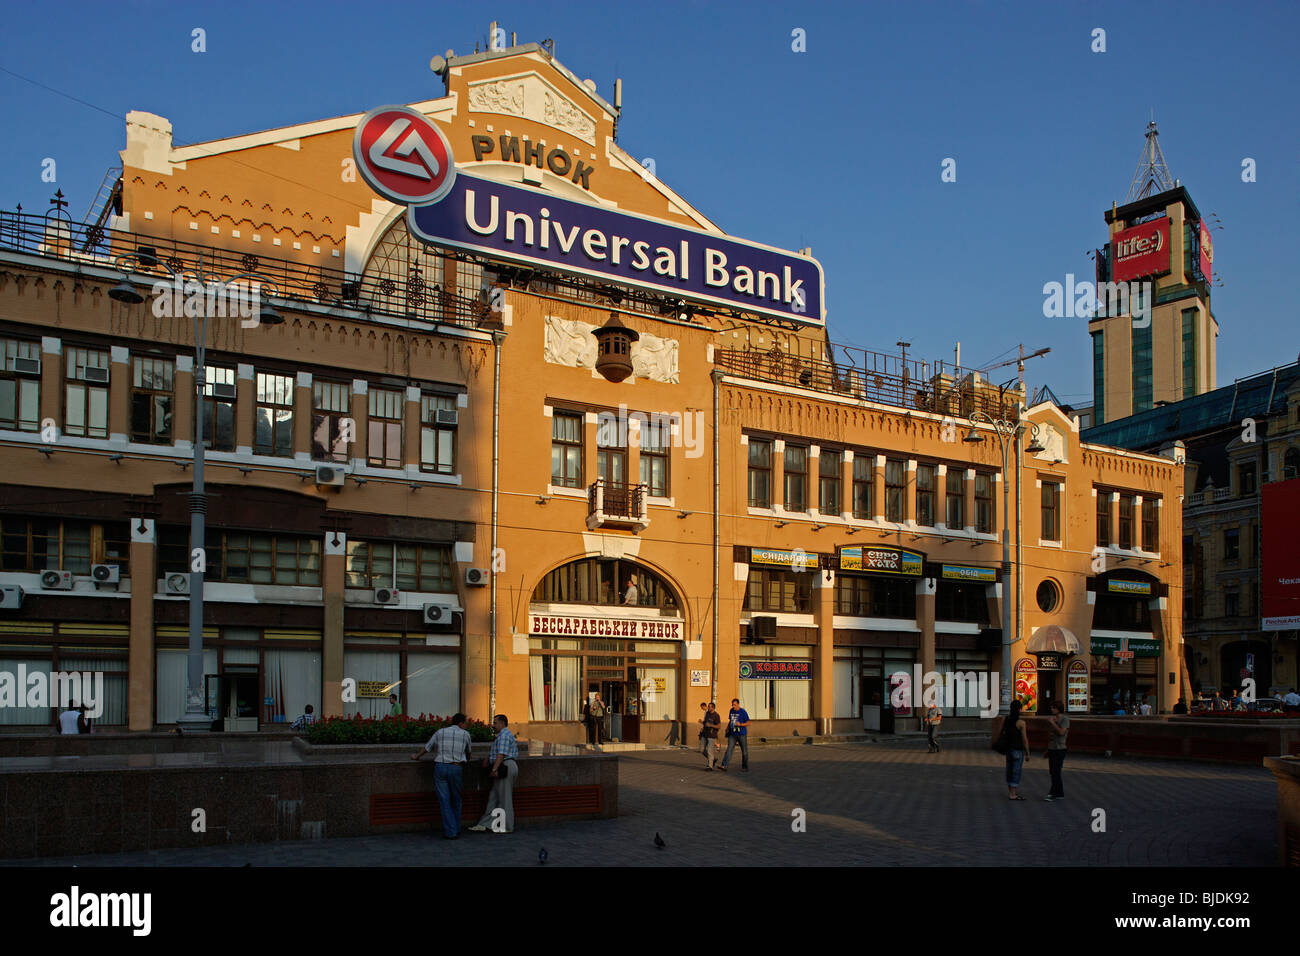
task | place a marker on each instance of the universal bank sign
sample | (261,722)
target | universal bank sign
(406,158)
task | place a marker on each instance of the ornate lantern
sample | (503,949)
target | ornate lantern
(614,349)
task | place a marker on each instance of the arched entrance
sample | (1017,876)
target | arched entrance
(1242,659)
(611,627)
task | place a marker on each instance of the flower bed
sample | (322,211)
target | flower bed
(388,730)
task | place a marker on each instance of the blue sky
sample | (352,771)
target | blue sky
(838,148)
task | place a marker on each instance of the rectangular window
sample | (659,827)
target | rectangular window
(895,474)
(437,437)
(219,408)
(830,468)
(1231,544)
(151,400)
(1098,378)
(1126,522)
(1103,518)
(656,437)
(48,544)
(983,502)
(1246,478)
(331,438)
(1051,511)
(1150,525)
(778,590)
(1143,383)
(925,495)
(566,450)
(863,489)
(796,478)
(407,567)
(20,390)
(1189,353)
(760,473)
(956,495)
(384,448)
(273,426)
(86,400)
(1231,604)
(290,560)
(861,596)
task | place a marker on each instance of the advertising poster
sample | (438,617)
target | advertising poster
(1280,575)
(1026,681)
(1142,251)
(1207,254)
(1076,688)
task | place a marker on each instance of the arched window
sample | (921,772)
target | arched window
(605,581)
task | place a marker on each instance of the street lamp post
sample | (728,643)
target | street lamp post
(196,718)
(1006,431)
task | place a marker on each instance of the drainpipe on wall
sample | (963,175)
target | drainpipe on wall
(1020,538)
(498,338)
(717,382)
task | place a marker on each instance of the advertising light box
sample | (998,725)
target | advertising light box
(1142,251)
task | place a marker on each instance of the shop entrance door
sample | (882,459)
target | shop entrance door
(239,701)
(871,697)
(1047,691)
(615,695)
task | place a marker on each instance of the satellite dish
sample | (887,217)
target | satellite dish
(439,65)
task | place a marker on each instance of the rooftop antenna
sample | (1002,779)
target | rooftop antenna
(1152,174)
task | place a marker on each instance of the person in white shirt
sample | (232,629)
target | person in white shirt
(1291,702)
(1146,709)
(631,594)
(68,720)
(450,746)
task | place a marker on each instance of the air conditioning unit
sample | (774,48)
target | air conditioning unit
(438,613)
(56,580)
(761,629)
(97,375)
(476,577)
(11,597)
(221,390)
(448,416)
(331,475)
(105,573)
(27,366)
(176,582)
(388,596)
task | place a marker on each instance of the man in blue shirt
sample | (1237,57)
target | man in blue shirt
(503,770)
(737,733)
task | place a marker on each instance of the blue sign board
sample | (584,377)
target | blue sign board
(539,228)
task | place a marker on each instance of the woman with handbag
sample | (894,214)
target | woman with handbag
(1014,743)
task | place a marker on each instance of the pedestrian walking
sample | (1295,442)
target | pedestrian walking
(933,715)
(1060,726)
(703,748)
(712,721)
(450,748)
(1015,740)
(394,708)
(502,766)
(737,733)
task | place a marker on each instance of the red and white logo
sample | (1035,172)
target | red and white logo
(403,155)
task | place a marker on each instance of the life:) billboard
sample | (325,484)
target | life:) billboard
(1280,574)
(1141,251)
(405,157)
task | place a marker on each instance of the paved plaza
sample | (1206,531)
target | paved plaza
(873,804)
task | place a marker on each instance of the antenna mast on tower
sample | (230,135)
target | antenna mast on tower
(1152,174)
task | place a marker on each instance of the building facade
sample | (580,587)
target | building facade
(1238,439)
(488,484)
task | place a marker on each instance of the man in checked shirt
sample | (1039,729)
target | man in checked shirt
(450,748)
(501,759)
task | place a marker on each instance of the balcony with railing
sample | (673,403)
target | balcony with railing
(613,504)
(866,376)
(154,258)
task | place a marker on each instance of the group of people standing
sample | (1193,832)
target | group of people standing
(1013,742)
(737,735)
(450,746)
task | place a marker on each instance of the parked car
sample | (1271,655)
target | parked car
(1267,705)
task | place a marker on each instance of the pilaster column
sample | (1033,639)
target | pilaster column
(411,429)
(332,583)
(878,488)
(183,399)
(824,660)
(846,485)
(361,422)
(245,408)
(119,393)
(52,381)
(140,650)
(778,474)
(941,495)
(303,407)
